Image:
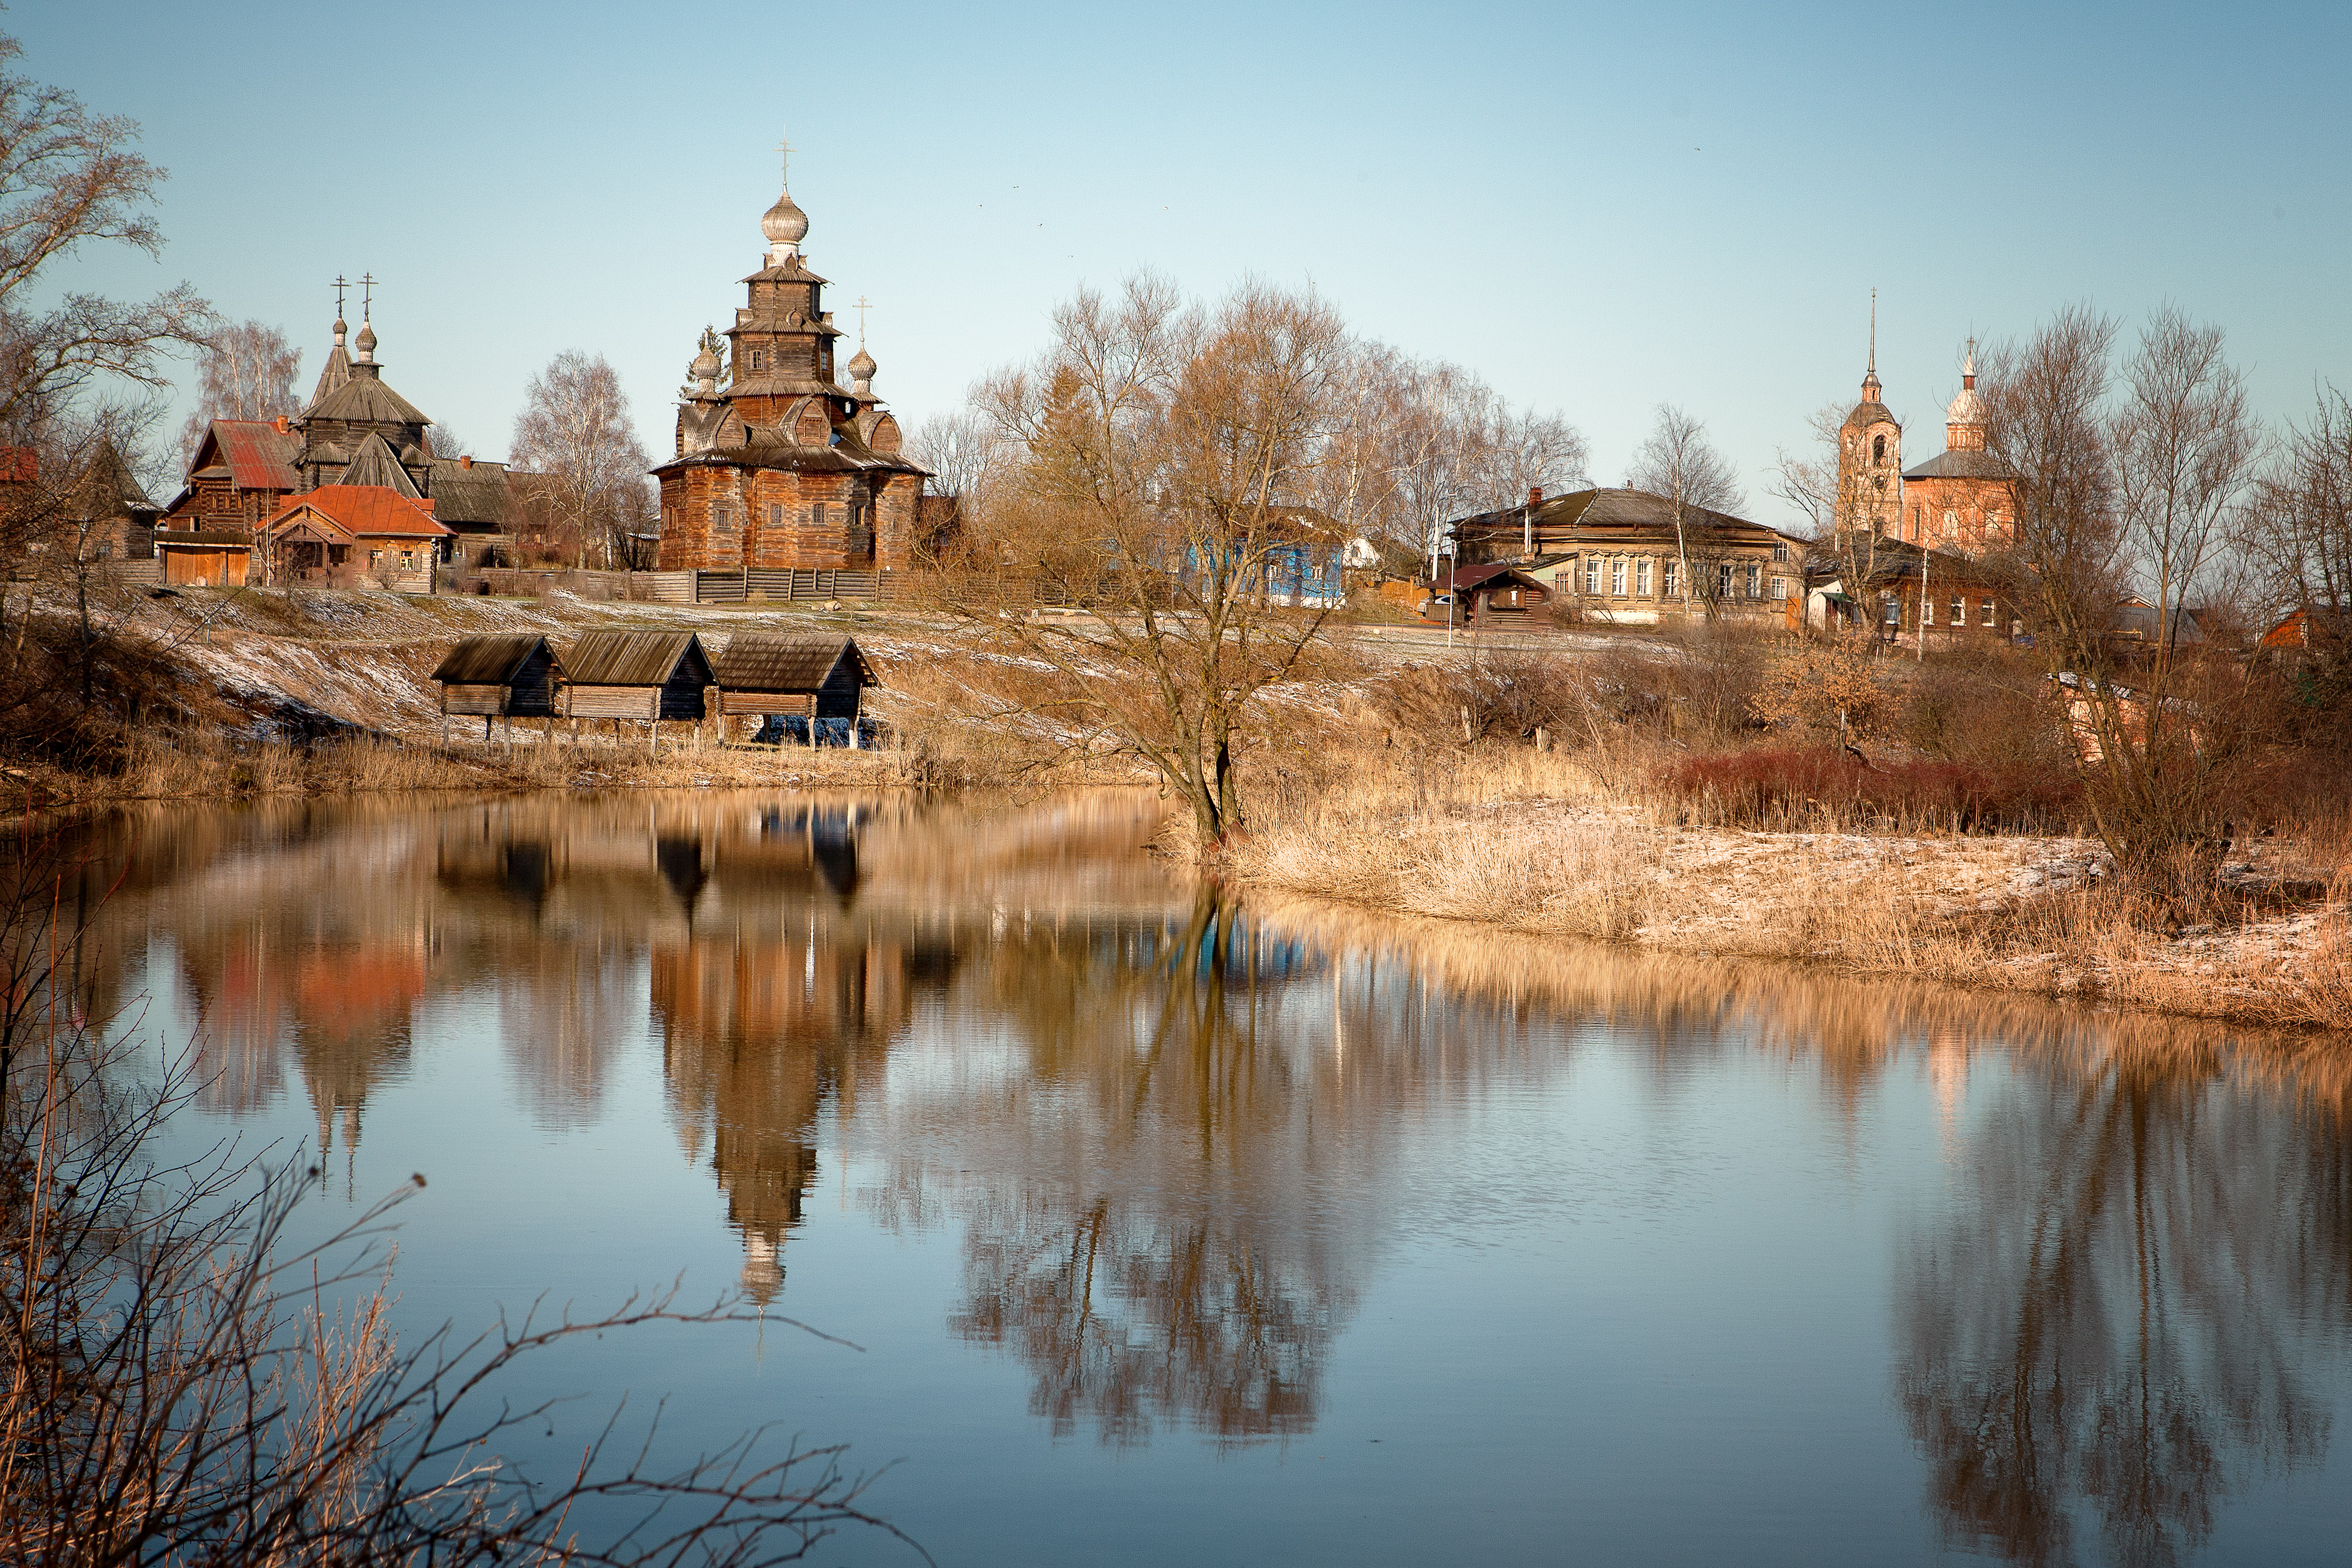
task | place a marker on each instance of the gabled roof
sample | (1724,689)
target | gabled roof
(631,658)
(765,661)
(365,399)
(374,464)
(489,661)
(258,455)
(472,493)
(364,511)
(1961,462)
(1479,576)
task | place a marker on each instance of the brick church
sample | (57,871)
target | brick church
(1962,499)
(777,465)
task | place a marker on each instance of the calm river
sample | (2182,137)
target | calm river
(1169,1230)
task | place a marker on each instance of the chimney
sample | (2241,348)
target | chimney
(466,461)
(1535,495)
(281,424)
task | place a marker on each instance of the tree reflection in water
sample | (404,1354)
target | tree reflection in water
(1170,1133)
(2119,1317)
(1136,1296)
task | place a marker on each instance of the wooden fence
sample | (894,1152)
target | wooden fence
(747,584)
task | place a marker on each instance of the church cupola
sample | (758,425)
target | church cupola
(861,377)
(1964,420)
(1870,452)
(784,224)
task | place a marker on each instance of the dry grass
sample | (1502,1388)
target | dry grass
(205,765)
(1573,845)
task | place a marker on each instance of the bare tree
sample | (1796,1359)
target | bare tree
(574,433)
(2186,444)
(448,442)
(1678,462)
(967,456)
(243,372)
(2297,533)
(1163,451)
(70,178)
(2112,479)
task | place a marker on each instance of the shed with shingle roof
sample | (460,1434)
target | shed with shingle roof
(802,676)
(644,675)
(502,673)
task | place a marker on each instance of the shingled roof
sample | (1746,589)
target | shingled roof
(630,658)
(374,464)
(364,399)
(766,662)
(488,660)
(467,494)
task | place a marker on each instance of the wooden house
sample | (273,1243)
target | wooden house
(809,677)
(647,676)
(349,534)
(498,676)
(1618,557)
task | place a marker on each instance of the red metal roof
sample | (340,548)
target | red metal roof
(259,456)
(371,511)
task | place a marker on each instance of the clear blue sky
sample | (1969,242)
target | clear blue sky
(1595,208)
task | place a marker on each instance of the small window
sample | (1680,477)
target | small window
(1666,577)
(1780,587)
(759,360)
(1641,578)
(1780,552)
(1592,576)
(1985,611)
(1951,523)
(776,516)
(1723,580)
(817,514)
(1617,578)
(1755,582)
(722,519)
(1960,611)
(1877,448)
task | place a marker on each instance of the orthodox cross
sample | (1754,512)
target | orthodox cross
(367,296)
(862,308)
(339,287)
(785,148)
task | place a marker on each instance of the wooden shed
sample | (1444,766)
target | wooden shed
(642,675)
(498,676)
(802,676)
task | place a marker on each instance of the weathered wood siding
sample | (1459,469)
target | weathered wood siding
(611,702)
(457,699)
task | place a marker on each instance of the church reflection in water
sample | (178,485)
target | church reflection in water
(1166,1129)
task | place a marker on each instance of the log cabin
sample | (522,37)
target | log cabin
(646,676)
(498,676)
(809,677)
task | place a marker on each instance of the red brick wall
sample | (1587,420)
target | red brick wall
(1984,515)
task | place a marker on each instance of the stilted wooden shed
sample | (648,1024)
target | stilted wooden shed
(498,676)
(805,676)
(647,676)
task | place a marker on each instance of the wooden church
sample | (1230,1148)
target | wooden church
(777,465)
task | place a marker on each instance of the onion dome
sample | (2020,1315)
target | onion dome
(785,225)
(863,367)
(340,330)
(364,345)
(703,370)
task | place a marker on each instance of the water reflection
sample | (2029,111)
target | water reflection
(2124,1311)
(1168,1132)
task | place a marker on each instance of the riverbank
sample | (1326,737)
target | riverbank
(1513,839)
